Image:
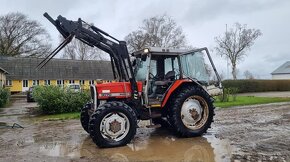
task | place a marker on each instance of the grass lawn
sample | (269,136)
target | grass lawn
(250,100)
(65,116)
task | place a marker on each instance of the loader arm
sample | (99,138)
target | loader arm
(95,37)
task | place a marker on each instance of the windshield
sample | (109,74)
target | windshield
(141,69)
(193,66)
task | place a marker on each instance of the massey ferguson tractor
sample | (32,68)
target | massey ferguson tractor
(159,85)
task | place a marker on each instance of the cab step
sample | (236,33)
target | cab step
(156,115)
(153,126)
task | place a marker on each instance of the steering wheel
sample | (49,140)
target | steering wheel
(177,73)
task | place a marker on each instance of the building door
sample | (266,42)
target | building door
(25,85)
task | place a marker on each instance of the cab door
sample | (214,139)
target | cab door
(193,66)
(197,65)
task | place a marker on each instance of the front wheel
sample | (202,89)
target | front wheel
(113,124)
(191,111)
(86,112)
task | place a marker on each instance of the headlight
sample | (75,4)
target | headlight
(146,50)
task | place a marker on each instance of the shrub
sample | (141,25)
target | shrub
(54,99)
(227,92)
(225,96)
(4,96)
(253,85)
(234,92)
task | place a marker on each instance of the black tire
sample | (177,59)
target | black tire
(113,107)
(86,112)
(175,111)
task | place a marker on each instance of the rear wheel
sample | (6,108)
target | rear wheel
(191,112)
(113,124)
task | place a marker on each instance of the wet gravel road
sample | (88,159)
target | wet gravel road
(255,133)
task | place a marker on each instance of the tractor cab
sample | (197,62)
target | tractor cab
(160,68)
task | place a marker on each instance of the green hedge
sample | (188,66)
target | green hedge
(257,85)
(4,96)
(54,99)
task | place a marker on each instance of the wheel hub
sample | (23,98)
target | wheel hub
(192,113)
(114,126)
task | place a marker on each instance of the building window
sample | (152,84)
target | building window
(91,82)
(8,82)
(82,82)
(35,82)
(46,82)
(60,82)
(25,83)
(71,81)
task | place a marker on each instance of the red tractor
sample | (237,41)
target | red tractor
(160,85)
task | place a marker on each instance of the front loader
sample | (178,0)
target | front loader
(159,85)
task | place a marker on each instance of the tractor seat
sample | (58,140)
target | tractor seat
(168,79)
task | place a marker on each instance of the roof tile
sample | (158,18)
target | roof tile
(283,69)
(25,68)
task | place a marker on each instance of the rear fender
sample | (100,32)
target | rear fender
(175,86)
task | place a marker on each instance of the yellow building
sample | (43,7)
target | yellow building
(3,74)
(24,74)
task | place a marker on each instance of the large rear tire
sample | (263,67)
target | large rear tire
(86,112)
(113,124)
(191,111)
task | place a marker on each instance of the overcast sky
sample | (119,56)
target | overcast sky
(200,20)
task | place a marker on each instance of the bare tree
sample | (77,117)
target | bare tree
(157,31)
(22,36)
(248,75)
(77,50)
(234,43)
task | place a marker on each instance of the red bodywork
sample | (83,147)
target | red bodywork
(175,85)
(116,90)
(122,90)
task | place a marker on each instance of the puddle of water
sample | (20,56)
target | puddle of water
(147,146)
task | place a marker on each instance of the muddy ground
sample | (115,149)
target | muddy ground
(254,133)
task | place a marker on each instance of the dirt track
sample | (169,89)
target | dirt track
(258,132)
(242,134)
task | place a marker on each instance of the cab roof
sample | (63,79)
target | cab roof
(160,51)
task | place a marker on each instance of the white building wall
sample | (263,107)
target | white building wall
(280,76)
